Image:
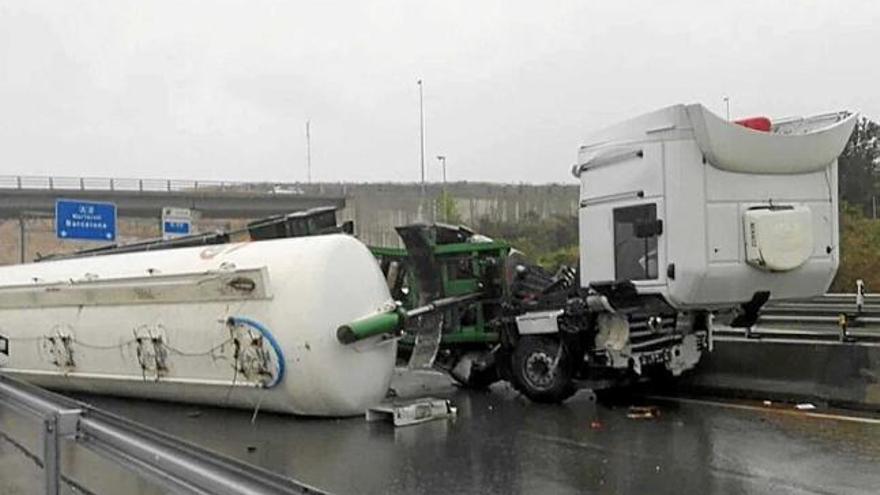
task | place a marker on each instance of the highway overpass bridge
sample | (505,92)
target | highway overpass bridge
(144,198)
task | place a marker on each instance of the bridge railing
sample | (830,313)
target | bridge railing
(33,182)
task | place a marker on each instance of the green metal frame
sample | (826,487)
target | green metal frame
(463,266)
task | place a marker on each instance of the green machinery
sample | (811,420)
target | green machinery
(452,266)
(479,310)
(478,283)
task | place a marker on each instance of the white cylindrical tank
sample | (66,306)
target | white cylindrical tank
(247,325)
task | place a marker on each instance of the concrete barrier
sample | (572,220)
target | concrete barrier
(836,373)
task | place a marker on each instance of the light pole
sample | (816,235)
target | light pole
(727,106)
(442,160)
(422,134)
(308,153)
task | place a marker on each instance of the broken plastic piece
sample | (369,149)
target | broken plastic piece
(428,329)
(805,406)
(412,412)
(643,412)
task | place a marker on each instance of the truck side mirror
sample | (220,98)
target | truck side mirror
(649,228)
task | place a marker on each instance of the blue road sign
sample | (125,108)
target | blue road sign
(176,222)
(85,220)
(178,227)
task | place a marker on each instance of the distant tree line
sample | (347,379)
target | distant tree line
(550,242)
(858,166)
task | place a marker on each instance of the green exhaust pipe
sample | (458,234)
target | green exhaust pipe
(394,320)
(363,328)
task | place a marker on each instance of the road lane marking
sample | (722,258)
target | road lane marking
(789,412)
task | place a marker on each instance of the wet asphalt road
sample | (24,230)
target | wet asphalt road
(501,443)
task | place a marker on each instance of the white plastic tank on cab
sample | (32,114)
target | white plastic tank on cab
(710,213)
(247,325)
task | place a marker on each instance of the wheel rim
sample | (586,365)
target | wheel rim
(540,370)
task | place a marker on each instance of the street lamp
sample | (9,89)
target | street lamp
(422,134)
(442,160)
(308,153)
(444,203)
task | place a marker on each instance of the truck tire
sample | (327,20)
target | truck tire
(542,369)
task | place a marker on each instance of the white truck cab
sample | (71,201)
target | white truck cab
(709,213)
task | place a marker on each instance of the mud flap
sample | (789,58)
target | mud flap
(427,327)
(427,330)
(685,356)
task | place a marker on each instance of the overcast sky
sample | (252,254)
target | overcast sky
(222,89)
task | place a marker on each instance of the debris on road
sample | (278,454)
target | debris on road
(412,412)
(643,412)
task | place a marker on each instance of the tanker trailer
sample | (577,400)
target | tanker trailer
(246,325)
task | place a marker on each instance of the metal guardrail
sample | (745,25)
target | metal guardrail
(832,317)
(24,182)
(177,466)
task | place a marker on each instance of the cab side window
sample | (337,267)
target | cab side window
(636,229)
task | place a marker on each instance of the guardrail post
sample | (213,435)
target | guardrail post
(750,333)
(51,456)
(860,295)
(842,324)
(63,423)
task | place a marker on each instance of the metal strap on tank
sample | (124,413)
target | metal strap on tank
(232,285)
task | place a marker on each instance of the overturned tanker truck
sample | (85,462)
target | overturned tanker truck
(204,320)
(685,219)
(682,216)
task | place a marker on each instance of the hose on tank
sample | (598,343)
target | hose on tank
(279,355)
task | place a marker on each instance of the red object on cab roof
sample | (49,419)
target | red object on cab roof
(757,123)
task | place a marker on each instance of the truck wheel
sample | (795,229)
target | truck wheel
(542,369)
